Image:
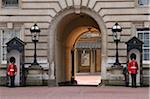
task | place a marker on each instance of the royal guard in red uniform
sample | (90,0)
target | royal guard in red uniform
(12,71)
(133,68)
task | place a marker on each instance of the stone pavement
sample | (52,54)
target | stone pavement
(82,92)
(88,78)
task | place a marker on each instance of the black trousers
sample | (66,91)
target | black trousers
(133,76)
(12,81)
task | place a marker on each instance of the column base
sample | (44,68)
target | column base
(115,76)
(34,75)
(52,83)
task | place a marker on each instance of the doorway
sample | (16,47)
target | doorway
(74,30)
(65,32)
(88,54)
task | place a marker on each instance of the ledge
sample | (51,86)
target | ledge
(35,67)
(115,67)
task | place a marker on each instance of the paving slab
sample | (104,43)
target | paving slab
(73,92)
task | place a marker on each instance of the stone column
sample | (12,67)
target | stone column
(68,63)
(92,67)
(104,58)
(51,57)
(75,62)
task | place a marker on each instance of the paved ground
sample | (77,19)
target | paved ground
(74,93)
(88,78)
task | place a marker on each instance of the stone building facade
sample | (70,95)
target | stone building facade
(62,22)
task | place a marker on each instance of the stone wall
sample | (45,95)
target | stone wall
(126,12)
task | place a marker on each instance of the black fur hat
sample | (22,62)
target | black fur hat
(132,56)
(12,59)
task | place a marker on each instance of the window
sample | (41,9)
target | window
(5,36)
(144,35)
(85,58)
(10,3)
(144,2)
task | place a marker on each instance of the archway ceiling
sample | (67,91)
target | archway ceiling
(74,25)
(74,35)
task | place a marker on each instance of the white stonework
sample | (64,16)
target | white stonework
(54,18)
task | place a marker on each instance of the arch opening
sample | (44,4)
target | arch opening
(67,29)
(88,58)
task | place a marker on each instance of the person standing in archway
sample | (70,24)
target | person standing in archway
(132,68)
(12,71)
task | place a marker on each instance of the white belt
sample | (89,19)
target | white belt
(133,67)
(11,69)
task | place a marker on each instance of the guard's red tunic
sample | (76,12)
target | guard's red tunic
(133,67)
(12,69)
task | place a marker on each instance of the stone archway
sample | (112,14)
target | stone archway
(92,66)
(57,44)
(72,39)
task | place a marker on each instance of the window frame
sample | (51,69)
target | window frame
(139,5)
(144,31)
(2,61)
(10,6)
(85,55)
